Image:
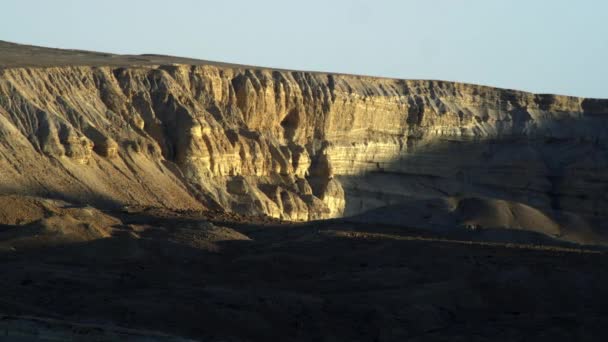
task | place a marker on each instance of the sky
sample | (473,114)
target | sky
(543,46)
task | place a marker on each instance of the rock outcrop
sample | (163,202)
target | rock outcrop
(290,144)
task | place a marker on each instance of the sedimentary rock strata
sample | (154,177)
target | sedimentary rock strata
(294,145)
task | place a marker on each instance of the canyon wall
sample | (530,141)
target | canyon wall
(294,145)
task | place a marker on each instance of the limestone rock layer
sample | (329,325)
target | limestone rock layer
(295,145)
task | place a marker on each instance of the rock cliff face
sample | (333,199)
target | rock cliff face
(295,145)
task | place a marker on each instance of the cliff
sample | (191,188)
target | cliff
(164,131)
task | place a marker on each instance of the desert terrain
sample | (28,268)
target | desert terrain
(159,198)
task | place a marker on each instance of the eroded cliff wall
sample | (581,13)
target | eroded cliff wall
(295,145)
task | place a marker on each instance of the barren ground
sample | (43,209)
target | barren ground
(215,277)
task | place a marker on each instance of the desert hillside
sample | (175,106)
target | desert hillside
(180,133)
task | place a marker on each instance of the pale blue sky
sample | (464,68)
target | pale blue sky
(547,46)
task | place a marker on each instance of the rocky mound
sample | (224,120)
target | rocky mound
(29,222)
(486,219)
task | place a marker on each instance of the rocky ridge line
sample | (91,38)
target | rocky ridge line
(294,145)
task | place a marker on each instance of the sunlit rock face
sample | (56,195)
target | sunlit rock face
(293,145)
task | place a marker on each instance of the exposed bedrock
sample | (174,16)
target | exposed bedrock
(294,145)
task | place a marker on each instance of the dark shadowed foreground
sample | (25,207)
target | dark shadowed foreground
(72,272)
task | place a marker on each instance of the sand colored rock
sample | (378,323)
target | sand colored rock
(164,133)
